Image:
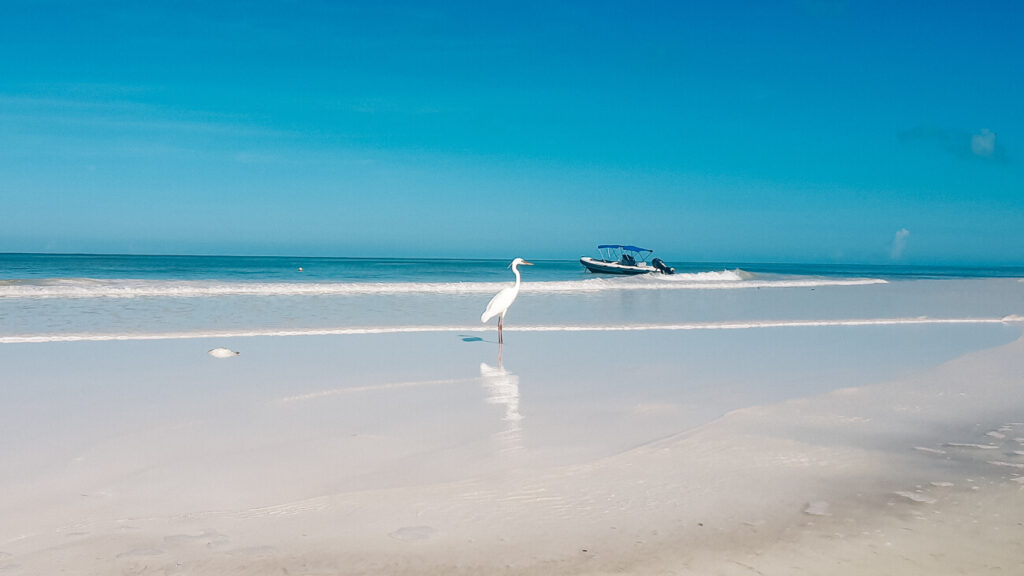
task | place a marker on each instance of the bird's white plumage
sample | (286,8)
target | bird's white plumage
(499,305)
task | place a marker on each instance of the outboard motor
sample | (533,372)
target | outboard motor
(659,265)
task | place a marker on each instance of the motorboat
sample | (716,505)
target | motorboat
(622,259)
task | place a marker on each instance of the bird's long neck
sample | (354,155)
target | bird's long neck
(515,270)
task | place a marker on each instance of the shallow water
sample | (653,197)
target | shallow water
(728,405)
(132,296)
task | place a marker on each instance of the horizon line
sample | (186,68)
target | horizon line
(738,262)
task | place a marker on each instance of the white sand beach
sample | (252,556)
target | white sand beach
(417,454)
(353,288)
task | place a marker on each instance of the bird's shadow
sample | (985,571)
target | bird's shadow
(466,338)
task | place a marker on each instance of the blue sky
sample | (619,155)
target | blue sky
(790,131)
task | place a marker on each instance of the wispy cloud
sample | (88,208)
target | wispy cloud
(102,123)
(123,115)
(983,143)
(899,244)
(980,144)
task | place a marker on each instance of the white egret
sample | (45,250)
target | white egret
(499,305)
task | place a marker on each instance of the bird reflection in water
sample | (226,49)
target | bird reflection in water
(502,388)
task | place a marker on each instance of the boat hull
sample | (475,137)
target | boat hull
(606,267)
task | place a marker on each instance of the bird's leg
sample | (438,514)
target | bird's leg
(500,320)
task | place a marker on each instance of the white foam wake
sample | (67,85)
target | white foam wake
(76,288)
(366,330)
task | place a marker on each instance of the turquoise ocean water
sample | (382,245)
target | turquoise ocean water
(53,297)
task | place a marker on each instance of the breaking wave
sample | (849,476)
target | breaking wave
(71,288)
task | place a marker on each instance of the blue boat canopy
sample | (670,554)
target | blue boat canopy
(630,248)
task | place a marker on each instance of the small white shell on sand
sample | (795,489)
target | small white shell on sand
(916,497)
(223,353)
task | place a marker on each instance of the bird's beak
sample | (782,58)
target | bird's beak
(527,263)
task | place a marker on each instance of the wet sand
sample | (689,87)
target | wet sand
(781,451)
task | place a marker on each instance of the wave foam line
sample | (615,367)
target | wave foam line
(74,289)
(355,331)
